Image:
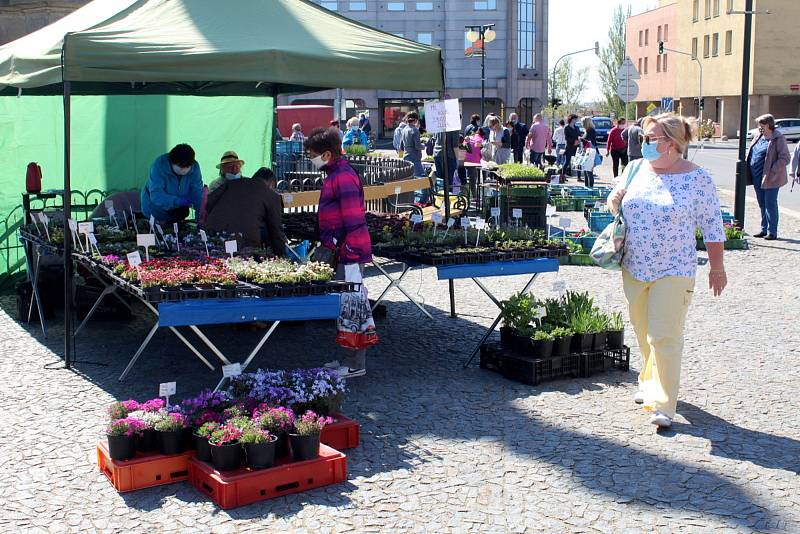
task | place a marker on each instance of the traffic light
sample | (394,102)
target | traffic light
(702,104)
(555,103)
(697,102)
(661,48)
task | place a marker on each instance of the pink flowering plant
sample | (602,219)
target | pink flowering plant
(256,435)
(153,405)
(206,429)
(120,410)
(127,426)
(276,420)
(171,422)
(225,435)
(310,424)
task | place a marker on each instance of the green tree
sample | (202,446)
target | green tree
(567,84)
(611,58)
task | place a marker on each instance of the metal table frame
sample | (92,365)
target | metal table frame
(395,283)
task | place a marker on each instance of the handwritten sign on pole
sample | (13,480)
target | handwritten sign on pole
(442,116)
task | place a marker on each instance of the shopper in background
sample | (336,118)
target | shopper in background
(411,143)
(572,139)
(444,151)
(767,160)
(519,135)
(589,139)
(475,144)
(363,123)
(616,146)
(796,166)
(343,231)
(539,140)
(354,135)
(667,199)
(335,124)
(230,168)
(561,143)
(474,124)
(632,135)
(297,133)
(175,183)
(397,137)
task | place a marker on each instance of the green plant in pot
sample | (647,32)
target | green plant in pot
(562,340)
(581,325)
(201,437)
(169,433)
(259,447)
(600,324)
(517,313)
(278,422)
(616,331)
(306,434)
(542,344)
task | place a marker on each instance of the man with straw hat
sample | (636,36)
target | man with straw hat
(230,168)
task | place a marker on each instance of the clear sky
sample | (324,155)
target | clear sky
(577,24)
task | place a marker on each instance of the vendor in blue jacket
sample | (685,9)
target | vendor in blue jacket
(175,183)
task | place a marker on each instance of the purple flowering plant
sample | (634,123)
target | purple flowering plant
(206,406)
(153,405)
(127,426)
(310,424)
(276,420)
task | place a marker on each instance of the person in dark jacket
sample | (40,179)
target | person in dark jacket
(572,137)
(474,124)
(767,160)
(590,137)
(411,143)
(616,147)
(175,183)
(518,140)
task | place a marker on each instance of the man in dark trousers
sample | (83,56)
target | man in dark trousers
(522,133)
(572,135)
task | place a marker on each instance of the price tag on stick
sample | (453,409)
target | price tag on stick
(45,222)
(231,247)
(204,237)
(564,222)
(165,389)
(450,223)
(396,197)
(146,241)
(152,223)
(465,226)
(177,239)
(234,369)
(416,219)
(496,215)
(134,259)
(437,220)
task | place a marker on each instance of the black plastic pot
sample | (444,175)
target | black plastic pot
(506,333)
(282,445)
(170,442)
(226,457)
(121,448)
(561,346)
(542,348)
(582,342)
(147,441)
(599,340)
(203,448)
(521,344)
(260,455)
(616,339)
(304,447)
(188,438)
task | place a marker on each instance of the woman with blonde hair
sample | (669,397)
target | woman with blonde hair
(666,199)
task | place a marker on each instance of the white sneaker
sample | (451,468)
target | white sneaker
(638,397)
(660,420)
(332,365)
(349,372)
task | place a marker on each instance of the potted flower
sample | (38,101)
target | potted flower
(147,438)
(120,410)
(201,436)
(305,437)
(226,451)
(616,331)
(122,434)
(581,324)
(319,390)
(599,329)
(278,422)
(562,339)
(169,431)
(259,447)
(542,344)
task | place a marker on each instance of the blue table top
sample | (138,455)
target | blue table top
(497,268)
(248,309)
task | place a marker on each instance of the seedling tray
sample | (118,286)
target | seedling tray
(245,486)
(143,471)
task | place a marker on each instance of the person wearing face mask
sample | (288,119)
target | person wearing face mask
(354,135)
(572,137)
(230,168)
(766,162)
(411,143)
(174,184)
(663,199)
(616,147)
(343,231)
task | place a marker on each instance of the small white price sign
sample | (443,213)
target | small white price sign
(564,193)
(540,312)
(450,222)
(495,212)
(564,222)
(146,240)
(234,369)
(92,239)
(436,218)
(175,228)
(73,225)
(44,218)
(109,204)
(203,236)
(397,190)
(152,222)
(86,227)
(165,389)
(516,213)
(416,218)
(111,211)
(465,222)
(480,224)
(599,204)
(134,259)
(231,246)
(288,199)
(159,229)
(550,210)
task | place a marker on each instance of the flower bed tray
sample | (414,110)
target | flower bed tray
(343,433)
(144,471)
(602,360)
(244,486)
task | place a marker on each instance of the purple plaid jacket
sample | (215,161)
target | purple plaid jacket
(341,214)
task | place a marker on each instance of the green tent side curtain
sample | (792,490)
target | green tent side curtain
(247,47)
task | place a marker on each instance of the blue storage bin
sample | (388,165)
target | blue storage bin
(598,220)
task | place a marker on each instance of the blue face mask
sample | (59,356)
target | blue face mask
(650,152)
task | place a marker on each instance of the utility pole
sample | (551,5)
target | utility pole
(485,34)
(699,64)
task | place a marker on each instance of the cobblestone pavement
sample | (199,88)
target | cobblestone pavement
(446,449)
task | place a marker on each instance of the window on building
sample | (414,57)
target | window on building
(358,6)
(645,65)
(658,63)
(660,34)
(708,9)
(646,37)
(694,47)
(395,6)
(729,42)
(730,5)
(666,32)
(706,45)
(641,37)
(333,6)
(424,6)
(695,10)
(484,5)
(664,63)
(526,29)
(716,8)
(640,65)
(425,38)
(715,45)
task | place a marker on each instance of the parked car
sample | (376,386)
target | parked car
(602,125)
(790,128)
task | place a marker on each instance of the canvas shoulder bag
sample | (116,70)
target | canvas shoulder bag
(609,245)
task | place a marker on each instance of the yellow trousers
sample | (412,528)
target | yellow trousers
(658,313)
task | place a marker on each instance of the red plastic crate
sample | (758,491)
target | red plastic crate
(343,434)
(144,471)
(245,486)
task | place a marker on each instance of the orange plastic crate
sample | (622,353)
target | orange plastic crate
(144,471)
(245,486)
(343,434)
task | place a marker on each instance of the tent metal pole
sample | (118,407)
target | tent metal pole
(67,234)
(273,145)
(448,173)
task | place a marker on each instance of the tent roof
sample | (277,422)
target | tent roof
(248,47)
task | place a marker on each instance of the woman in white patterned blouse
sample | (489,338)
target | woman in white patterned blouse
(668,198)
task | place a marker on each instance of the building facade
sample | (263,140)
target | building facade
(516,61)
(21,17)
(712,37)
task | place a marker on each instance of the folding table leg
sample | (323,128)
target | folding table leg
(106,291)
(253,352)
(496,321)
(138,352)
(36,296)
(395,282)
(191,347)
(210,345)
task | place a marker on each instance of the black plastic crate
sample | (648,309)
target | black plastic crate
(602,360)
(533,371)
(491,357)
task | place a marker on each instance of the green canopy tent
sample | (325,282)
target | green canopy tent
(206,47)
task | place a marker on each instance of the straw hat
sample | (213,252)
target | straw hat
(229,157)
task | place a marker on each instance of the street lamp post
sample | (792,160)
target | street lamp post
(699,64)
(595,49)
(485,34)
